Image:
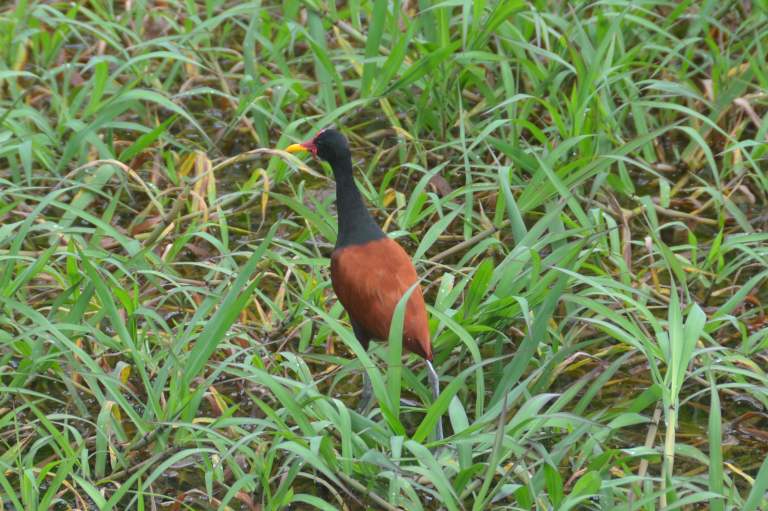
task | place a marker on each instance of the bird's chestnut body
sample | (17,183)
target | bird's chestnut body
(369,280)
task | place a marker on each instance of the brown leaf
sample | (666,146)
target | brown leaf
(199,250)
(146,225)
(440,185)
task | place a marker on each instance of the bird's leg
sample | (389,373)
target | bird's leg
(434,382)
(366,396)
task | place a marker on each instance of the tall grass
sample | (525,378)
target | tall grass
(583,187)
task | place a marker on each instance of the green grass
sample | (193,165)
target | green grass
(584,188)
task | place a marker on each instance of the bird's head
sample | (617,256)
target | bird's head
(329,145)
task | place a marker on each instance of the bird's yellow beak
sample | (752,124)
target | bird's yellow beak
(296,148)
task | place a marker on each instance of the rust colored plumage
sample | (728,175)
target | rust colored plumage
(370,279)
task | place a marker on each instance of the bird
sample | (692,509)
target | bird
(370,272)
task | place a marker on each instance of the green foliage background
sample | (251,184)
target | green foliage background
(584,188)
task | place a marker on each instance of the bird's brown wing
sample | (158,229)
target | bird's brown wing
(370,279)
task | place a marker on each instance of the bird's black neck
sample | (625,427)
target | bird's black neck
(356,225)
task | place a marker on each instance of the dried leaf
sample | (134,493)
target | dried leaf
(440,185)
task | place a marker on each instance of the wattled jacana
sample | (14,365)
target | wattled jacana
(370,272)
